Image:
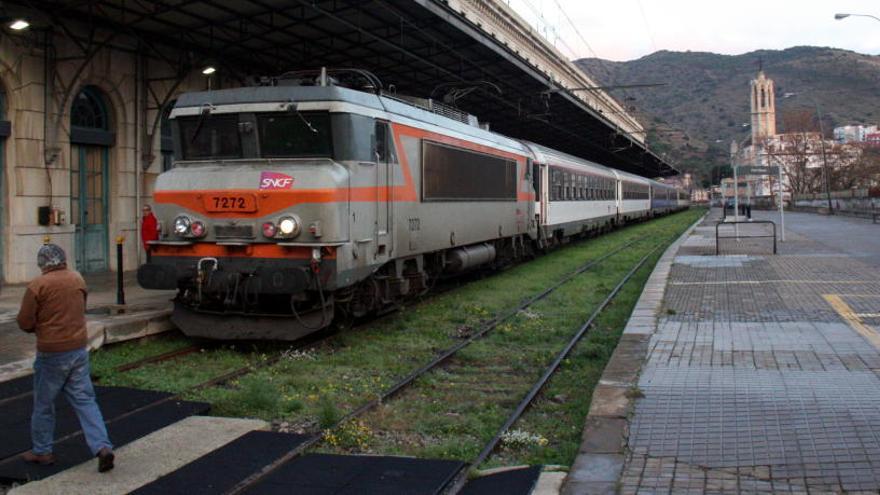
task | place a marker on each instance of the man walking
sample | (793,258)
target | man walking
(54,308)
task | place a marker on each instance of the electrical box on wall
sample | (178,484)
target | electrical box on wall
(44,215)
(57,216)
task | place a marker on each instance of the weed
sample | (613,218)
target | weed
(328,413)
(518,439)
(352,435)
(259,394)
(298,355)
(595,350)
(671,311)
(292,405)
(634,392)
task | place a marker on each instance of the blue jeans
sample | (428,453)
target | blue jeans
(55,372)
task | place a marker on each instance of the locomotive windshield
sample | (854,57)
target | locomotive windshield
(294,135)
(210,136)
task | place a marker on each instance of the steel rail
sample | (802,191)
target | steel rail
(123,368)
(157,358)
(545,377)
(317,437)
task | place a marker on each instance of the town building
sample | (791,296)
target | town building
(853,133)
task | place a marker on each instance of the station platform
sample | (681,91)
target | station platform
(746,373)
(146,312)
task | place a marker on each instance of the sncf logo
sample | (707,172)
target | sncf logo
(274,180)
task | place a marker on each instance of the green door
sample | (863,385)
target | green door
(88,203)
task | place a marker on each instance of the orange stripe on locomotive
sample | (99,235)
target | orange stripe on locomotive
(269,202)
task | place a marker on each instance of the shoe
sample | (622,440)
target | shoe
(105,460)
(44,459)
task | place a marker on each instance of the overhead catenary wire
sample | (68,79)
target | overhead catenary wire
(648,29)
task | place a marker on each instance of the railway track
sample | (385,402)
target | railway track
(317,437)
(391,391)
(167,356)
(549,372)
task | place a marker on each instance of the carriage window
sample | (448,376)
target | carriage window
(284,135)
(210,136)
(567,182)
(454,174)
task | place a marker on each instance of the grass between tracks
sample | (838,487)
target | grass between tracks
(451,412)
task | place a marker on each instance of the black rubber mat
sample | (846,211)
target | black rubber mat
(16,386)
(225,467)
(15,419)
(514,482)
(74,451)
(326,474)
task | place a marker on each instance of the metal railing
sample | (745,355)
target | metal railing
(434,107)
(739,235)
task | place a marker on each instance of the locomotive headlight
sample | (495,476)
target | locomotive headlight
(181,225)
(288,226)
(197,229)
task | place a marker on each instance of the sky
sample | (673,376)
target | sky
(629,29)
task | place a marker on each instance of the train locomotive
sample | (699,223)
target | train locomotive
(305,204)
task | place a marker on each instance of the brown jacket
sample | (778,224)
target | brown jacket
(54,308)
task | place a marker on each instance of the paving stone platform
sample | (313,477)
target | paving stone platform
(763,372)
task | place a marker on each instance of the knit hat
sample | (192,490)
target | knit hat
(51,256)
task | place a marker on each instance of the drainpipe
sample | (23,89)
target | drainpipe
(50,125)
(139,124)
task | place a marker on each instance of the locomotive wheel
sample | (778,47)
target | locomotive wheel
(364,300)
(342,320)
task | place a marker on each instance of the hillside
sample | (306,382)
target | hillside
(707,95)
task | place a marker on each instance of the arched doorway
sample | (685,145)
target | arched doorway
(90,142)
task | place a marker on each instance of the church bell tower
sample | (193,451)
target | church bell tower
(763,108)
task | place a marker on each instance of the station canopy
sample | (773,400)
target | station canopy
(420,47)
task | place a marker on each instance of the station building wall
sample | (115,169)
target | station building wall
(37,155)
